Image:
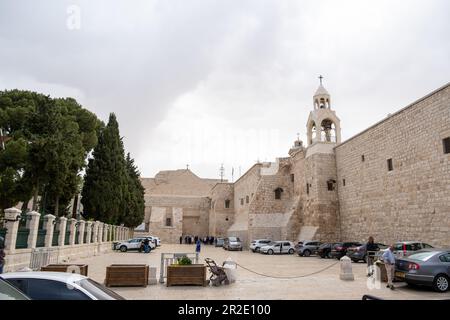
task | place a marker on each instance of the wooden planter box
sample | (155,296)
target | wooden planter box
(126,275)
(63,268)
(194,274)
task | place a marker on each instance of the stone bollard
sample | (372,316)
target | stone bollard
(346,269)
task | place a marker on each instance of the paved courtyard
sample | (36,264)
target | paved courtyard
(324,285)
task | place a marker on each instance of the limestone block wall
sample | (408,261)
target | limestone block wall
(189,215)
(220,217)
(320,208)
(411,202)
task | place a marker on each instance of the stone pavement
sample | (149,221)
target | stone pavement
(325,285)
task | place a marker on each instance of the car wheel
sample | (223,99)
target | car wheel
(291,251)
(270,251)
(123,248)
(256,249)
(306,253)
(441,283)
(329,255)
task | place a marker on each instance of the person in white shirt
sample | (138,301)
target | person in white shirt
(389,262)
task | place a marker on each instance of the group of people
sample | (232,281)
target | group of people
(388,258)
(192,239)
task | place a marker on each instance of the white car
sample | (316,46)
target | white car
(155,240)
(255,245)
(278,247)
(45,285)
(133,244)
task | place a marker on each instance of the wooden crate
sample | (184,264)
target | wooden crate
(194,274)
(127,275)
(63,268)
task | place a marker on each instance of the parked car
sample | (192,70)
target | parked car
(155,240)
(45,285)
(133,244)
(339,249)
(218,242)
(406,248)
(232,243)
(429,267)
(9,292)
(307,248)
(359,253)
(324,250)
(278,247)
(255,245)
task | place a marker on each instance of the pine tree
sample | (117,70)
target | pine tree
(106,177)
(134,204)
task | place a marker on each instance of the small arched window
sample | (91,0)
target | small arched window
(227,204)
(331,184)
(278,192)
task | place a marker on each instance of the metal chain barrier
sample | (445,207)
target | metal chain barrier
(289,277)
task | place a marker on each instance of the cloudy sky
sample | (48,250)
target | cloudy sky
(208,82)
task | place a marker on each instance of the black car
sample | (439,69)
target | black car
(360,253)
(324,250)
(339,249)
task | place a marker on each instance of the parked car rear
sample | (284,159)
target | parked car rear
(359,253)
(232,243)
(430,267)
(339,249)
(307,248)
(406,248)
(278,247)
(324,250)
(255,245)
(218,242)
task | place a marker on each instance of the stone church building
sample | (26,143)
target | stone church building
(391,181)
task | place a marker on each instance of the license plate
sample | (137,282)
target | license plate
(399,274)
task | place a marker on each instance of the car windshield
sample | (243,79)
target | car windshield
(99,291)
(8,292)
(233,239)
(422,256)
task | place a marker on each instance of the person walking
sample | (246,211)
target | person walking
(2,254)
(389,262)
(371,248)
(181,239)
(198,246)
(146,245)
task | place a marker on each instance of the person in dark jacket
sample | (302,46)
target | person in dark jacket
(181,239)
(371,246)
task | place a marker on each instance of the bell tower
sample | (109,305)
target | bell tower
(321,205)
(323,126)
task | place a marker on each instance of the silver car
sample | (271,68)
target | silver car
(307,248)
(255,245)
(232,243)
(426,267)
(278,247)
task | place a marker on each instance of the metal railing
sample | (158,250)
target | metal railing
(41,257)
(170,258)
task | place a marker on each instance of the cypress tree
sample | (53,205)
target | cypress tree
(103,193)
(134,204)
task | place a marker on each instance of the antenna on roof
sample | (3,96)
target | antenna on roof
(222,172)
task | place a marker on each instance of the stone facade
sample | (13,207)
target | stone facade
(328,190)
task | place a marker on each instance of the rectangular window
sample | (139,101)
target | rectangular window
(389,164)
(446,144)
(227,204)
(330,185)
(343,182)
(362,158)
(292,177)
(168,222)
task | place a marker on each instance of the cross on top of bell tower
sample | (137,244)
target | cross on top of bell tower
(320,79)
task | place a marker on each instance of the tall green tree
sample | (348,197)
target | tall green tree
(105,181)
(134,204)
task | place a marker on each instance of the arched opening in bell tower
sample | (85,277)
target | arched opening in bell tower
(327,131)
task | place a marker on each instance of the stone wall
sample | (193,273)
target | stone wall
(220,217)
(411,202)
